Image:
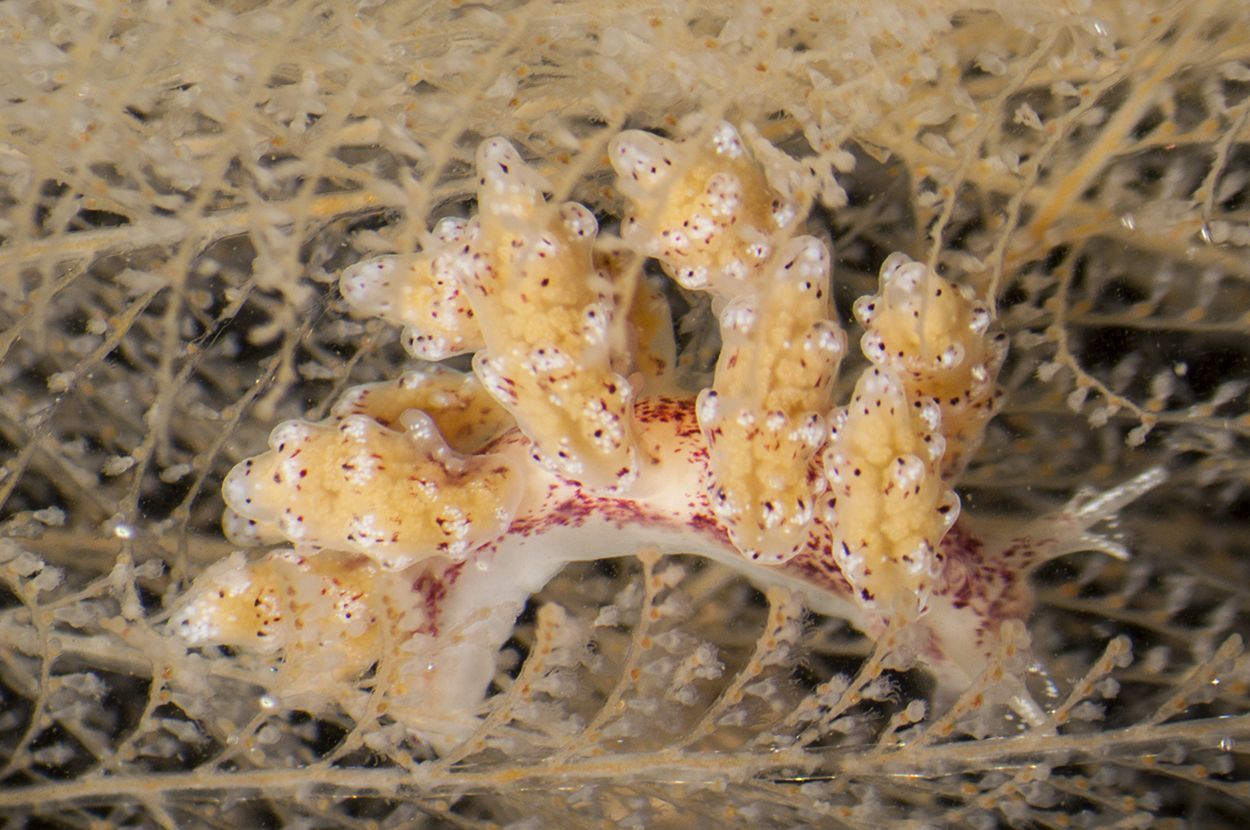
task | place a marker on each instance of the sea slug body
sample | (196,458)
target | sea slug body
(433,506)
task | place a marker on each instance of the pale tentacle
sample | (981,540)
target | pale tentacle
(936,336)
(546,314)
(705,211)
(421,291)
(355,485)
(888,502)
(764,417)
(466,416)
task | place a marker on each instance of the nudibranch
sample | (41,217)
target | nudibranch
(424,512)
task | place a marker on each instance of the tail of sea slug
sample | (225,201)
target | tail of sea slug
(1074,528)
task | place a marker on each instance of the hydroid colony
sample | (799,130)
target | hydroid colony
(182,190)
